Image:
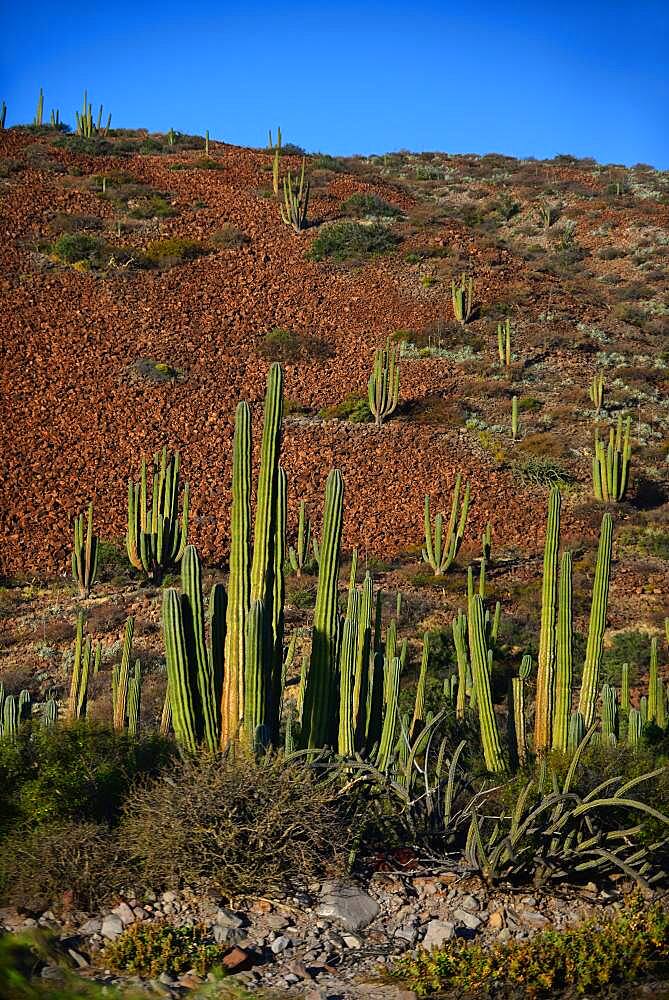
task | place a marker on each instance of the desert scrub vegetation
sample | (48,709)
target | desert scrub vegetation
(592,959)
(361,205)
(354,408)
(248,825)
(350,241)
(157,948)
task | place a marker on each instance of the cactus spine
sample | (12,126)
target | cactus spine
(610,465)
(318,708)
(155,540)
(440,552)
(546,659)
(383,388)
(84,554)
(597,625)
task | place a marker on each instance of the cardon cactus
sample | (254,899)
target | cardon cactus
(155,538)
(121,679)
(295,200)
(86,660)
(319,709)
(597,391)
(504,343)
(383,388)
(478,653)
(546,659)
(517,724)
(462,298)
(564,661)
(610,465)
(597,625)
(84,554)
(441,549)
(300,555)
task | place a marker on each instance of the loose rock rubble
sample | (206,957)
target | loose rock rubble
(329,940)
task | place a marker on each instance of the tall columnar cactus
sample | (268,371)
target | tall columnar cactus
(419,704)
(84,554)
(634,727)
(486,543)
(347,671)
(460,643)
(392,671)
(597,625)
(319,709)
(193,671)
(39,113)
(85,124)
(504,343)
(134,699)
(609,715)
(121,679)
(547,638)
(653,678)
(24,705)
(440,551)
(611,464)
(383,388)
(364,662)
(295,200)
(9,724)
(597,391)
(518,709)
(576,731)
(514,417)
(86,661)
(625,687)
(3,114)
(478,652)
(239,581)
(155,538)
(300,555)
(50,713)
(462,298)
(564,660)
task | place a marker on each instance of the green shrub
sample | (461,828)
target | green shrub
(80,771)
(301,597)
(73,247)
(355,409)
(80,144)
(351,240)
(538,470)
(155,207)
(174,251)
(221,824)
(322,161)
(228,237)
(588,959)
(151,949)
(360,205)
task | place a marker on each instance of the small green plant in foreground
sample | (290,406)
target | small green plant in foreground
(151,949)
(588,959)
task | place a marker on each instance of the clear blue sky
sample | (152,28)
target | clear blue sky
(588,78)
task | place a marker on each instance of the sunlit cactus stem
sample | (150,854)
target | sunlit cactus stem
(634,727)
(120,689)
(564,659)
(84,554)
(442,547)
(625,687)
(504,343)
(597,625)
(460,643)
(611,464)
(653,678)
(419,704)
(383,387)
(609,715)
(134,699)
(295,200)
(546,659)
(517,714)
(3,114)
(597,391)
(86,661)
(478,652)
(514,418)
(300,555)
(39,113)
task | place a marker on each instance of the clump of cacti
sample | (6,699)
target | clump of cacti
(597,391)
(442,544)
(383,388)
(86,126)
(295,200)
(86,662)
(156,538)
(462,299)
(611,464)
(504,343)
(84,553)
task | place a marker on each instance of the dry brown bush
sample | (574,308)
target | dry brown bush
(234,825)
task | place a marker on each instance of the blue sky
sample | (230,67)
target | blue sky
(587,78)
